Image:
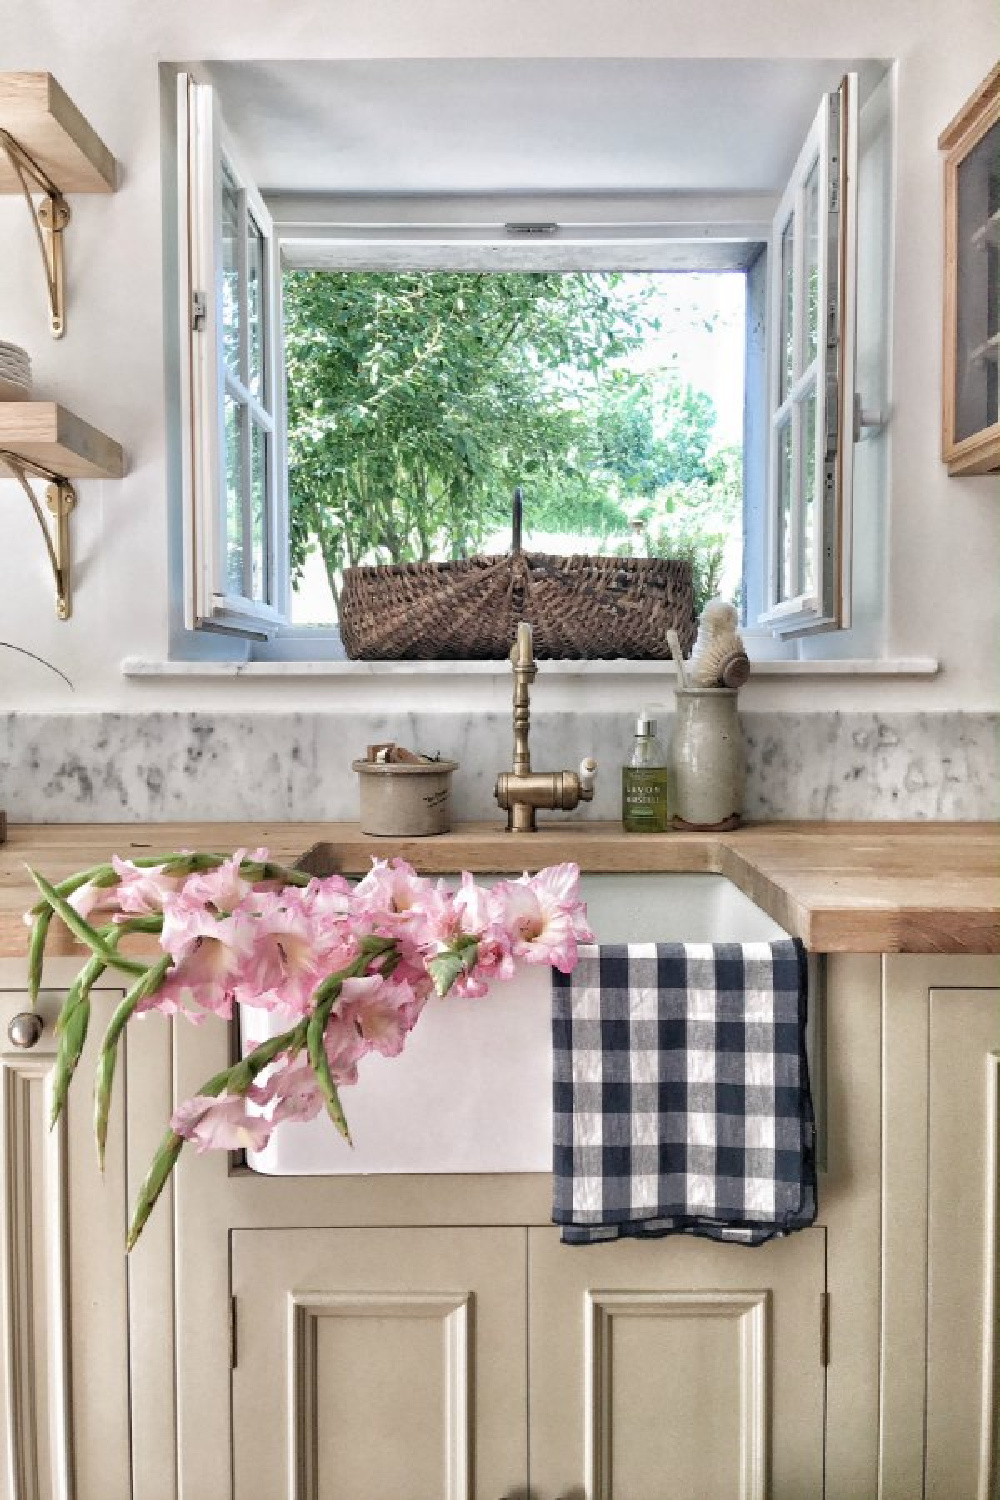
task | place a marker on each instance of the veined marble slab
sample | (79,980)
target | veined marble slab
(157,767)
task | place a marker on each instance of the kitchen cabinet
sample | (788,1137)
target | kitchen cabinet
(330,1275)
(645,1359)
(971,428)
(677,1358)
(376,1362)
(64,1416)
(942,1220)
(265,1328)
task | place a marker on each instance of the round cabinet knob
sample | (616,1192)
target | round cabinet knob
(25,1029)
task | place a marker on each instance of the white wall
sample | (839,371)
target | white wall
(943,534)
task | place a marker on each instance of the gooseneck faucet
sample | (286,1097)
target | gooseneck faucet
(521,791)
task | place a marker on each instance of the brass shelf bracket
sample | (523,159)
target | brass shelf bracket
(48,219)
(60,497)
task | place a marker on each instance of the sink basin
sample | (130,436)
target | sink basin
(472,1091)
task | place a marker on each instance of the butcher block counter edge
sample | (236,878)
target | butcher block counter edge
(840,887)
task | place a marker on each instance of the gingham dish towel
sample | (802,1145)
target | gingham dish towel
(681,1097)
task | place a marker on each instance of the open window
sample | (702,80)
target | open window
(235,519)
(796,463)
(811,379)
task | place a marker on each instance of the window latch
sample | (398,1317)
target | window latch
(198,311)
(867,424)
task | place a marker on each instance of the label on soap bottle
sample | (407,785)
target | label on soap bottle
(645,799)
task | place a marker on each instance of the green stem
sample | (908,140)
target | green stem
(147,984)
(234,1080)
(325,998)
(80,928)
(36,952)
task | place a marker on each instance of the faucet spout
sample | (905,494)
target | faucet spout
(521,791)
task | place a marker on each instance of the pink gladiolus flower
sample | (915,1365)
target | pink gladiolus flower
(294,1092)
(222,888)
(208,953)
(545,917)
(385,1011)
(92,902)
(291,952)
(222,1124)
(141,892)
(396,900)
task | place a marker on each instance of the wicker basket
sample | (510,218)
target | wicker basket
(469,609)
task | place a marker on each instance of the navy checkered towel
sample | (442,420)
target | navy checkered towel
(681,1093)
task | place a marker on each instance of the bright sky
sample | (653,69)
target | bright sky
(704,317)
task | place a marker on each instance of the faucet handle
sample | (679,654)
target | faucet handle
(523,650)
(588,774)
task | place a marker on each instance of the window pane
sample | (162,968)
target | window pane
(786,586)
(812,265)
(787,306)
(977,393)
(809,505)
(255,324)
(258,495)
(230,275)
(235,418)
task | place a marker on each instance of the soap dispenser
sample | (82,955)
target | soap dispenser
(646,782)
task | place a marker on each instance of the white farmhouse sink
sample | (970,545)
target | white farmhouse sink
(472,1092)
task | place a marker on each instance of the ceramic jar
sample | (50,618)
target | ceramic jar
(404,799)
(707,757)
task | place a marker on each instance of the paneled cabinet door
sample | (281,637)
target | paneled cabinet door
(64,1370)
(963,1300)
(676,1367)
(377,1363)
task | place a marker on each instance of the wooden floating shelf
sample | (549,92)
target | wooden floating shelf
(46,123)
(45,433)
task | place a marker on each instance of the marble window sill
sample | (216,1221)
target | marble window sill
(133,666)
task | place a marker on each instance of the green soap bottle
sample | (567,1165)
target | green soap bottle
(646,782)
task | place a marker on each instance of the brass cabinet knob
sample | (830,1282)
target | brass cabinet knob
(25,1029)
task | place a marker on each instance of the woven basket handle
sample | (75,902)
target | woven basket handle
(518,519)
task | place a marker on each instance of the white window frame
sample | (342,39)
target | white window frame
(832,143)
(205,151)
(205,156)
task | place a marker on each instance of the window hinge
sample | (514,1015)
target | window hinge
(198,311)
(824,1328)
(233,1349)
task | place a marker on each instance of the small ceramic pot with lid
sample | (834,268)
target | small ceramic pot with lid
(405,799)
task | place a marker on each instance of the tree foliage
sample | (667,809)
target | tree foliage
(417,401)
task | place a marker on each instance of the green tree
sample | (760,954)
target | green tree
(417,401)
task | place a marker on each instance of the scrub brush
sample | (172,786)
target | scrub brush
(719,657)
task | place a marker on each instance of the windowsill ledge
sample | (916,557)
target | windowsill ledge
(139,667)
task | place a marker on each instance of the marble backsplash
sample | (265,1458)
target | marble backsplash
(162,767)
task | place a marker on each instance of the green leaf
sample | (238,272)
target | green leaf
(448,966)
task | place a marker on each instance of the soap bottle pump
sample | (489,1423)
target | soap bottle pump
(646,782)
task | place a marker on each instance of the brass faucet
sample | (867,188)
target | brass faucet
(522,791)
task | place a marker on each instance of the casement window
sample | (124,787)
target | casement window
(811,379)
(235,563)
(797,473)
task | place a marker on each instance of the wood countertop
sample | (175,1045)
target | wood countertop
(840,887)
